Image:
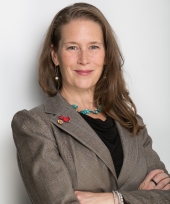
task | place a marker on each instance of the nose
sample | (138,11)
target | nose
(83,57)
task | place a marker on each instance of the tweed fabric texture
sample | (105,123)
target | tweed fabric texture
(54,160)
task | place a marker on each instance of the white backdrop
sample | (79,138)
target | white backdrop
(143,30)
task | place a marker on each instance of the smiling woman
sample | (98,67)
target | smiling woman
(100,153)
(81,55)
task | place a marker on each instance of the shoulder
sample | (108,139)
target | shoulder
(35,119)
(39,116)
(32,127)
(143,133)
(140,120)
(23,115)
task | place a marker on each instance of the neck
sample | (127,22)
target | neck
(83,98)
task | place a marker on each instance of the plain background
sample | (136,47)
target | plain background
(143,31)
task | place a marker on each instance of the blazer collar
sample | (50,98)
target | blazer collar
(78,128)
(130,152)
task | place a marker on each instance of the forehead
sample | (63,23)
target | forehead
(81,30)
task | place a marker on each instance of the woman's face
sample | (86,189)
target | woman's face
(81,54)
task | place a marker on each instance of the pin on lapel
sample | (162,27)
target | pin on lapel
(63,119)
(60,122)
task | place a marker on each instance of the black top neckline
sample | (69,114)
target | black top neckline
(90,118)
(108,133)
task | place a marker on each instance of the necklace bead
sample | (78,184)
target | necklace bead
(74,106)
(87,111)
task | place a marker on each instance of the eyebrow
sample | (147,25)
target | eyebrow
(73,42)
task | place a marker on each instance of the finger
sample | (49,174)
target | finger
(146,185)
(141,186)
(152,180)
(152,174)
(167,187)
(163,183)
(81,196)
(160,177)
(80,192)
(161,180)
(76,192)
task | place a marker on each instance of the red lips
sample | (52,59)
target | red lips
(83,72)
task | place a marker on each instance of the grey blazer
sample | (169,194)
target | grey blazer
(54,160)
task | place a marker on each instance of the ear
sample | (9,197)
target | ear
(54,56)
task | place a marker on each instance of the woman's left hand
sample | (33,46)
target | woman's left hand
(93,198)
(156,179)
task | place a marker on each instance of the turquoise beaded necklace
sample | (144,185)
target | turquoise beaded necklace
(88,111)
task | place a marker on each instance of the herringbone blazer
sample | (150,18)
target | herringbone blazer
(56,159)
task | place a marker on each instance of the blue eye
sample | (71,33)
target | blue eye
(72,48)
(93,47)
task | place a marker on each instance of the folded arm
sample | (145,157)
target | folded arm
(163,183)
(147,192)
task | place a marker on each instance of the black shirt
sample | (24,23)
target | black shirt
(108,133)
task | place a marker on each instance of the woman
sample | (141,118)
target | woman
(86,144)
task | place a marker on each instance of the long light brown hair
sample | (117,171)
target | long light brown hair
(110,90)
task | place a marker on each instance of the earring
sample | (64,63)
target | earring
(56,70)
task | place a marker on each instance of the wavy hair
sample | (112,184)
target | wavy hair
(110,90)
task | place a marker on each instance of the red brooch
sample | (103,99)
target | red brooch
(62,118)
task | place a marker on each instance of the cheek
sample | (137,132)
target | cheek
(64,59)
(99,59)
(68,58)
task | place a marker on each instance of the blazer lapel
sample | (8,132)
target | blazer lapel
(78,128)
(130,151)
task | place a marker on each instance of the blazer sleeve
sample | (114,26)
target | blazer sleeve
(44,174)
(153,162)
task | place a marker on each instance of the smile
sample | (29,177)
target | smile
(83,72)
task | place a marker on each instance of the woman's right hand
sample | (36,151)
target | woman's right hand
(156,179)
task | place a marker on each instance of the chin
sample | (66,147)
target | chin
(85,87)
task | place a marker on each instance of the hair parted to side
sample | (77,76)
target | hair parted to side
(110,90)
